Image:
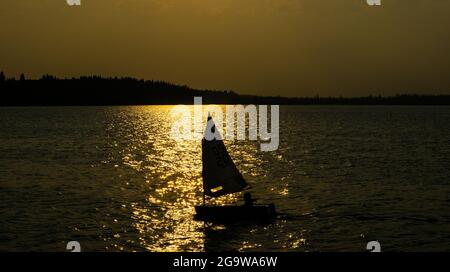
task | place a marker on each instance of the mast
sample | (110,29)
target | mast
(203,197)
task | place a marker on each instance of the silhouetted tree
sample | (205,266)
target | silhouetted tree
(2,77)
(22,77)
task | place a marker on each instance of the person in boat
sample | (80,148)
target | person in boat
(248,200)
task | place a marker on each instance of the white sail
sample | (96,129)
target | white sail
(220,175)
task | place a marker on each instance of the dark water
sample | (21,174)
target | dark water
(113,179)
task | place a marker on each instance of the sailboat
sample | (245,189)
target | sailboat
(221,177)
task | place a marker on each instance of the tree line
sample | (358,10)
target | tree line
(96,90)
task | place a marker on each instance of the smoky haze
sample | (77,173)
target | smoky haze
(264,47)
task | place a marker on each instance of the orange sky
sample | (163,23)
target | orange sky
(268,47)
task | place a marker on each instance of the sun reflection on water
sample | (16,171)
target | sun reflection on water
(170,171)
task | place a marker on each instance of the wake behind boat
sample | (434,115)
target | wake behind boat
(221,177)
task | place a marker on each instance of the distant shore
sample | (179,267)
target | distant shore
(95,90)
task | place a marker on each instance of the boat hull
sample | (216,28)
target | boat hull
(259,213)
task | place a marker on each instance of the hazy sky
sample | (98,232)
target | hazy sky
(269,47)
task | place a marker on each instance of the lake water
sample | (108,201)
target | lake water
(113,179)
